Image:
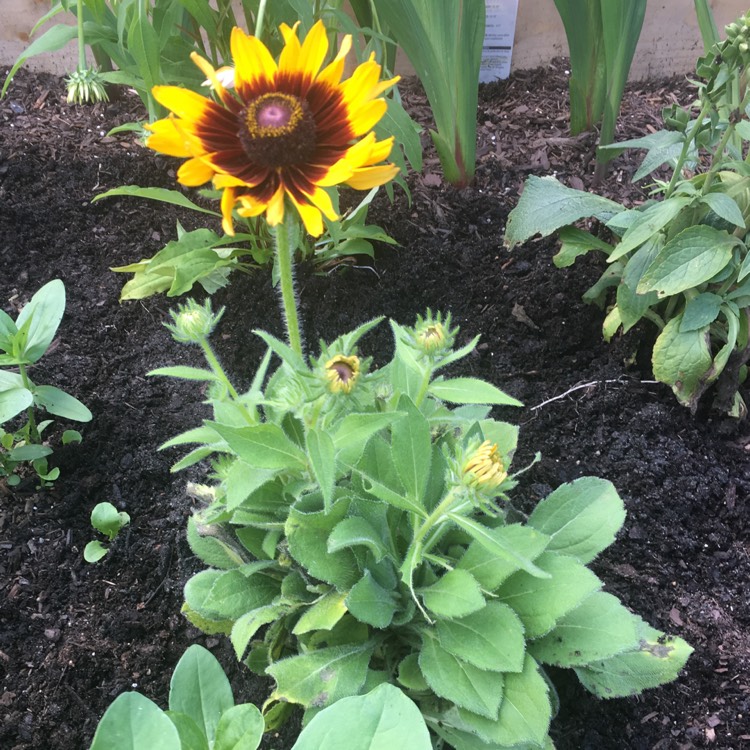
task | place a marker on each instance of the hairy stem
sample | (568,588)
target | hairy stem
(286,283)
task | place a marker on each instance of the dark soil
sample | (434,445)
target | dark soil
(73,635)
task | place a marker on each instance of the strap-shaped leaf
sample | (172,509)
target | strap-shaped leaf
(471,391)
(322,455)
(62,404)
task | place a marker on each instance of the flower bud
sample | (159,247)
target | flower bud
(484,469)
(342,373)
(193,323)
(86,86)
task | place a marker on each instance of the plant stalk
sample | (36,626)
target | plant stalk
(286,283)
(33,431)
(81,37)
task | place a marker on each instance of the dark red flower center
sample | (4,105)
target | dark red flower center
(277,130)
(343,370)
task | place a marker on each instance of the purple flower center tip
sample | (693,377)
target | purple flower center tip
(274,115)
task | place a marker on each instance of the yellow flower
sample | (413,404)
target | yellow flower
(342,373)
(431,337)
(287,129)
(484,469)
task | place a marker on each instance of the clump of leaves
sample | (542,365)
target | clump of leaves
(682,261)
(23,343)
(361,533)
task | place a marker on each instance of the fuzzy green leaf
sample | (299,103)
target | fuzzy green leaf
(264,446)
(455,594)
(470,391)
(371,603)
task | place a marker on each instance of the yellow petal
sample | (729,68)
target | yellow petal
(275,210)
(210,73)
(227,180)
(227,204)
(250,207)
(314,50)
(322,201)
(166,139)
(332,73)
(183,102)
(194,172)
(370,177)
(367,116)
(340,172)
(251,58)
(381,150)
(289,57)
(311,217)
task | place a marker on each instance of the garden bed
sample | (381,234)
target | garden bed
(73,635)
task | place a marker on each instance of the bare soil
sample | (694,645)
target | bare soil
(73,635)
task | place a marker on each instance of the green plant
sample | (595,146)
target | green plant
(23,343)
(681,262)
(443,42)
(106,519)
(602,37)
(202,714)
(365,525)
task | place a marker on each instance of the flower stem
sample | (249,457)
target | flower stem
(259,19)
(286,282)
(81,38)
(32,431)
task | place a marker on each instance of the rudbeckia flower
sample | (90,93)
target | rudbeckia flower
(286,131)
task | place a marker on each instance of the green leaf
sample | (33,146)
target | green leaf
(371,603)
(546,205)
(322,454)
(496,544)
(156,194)
(200,689)
(248,625)
(240,728)
(40,319)
(599,628)
(682,360)
(108,520)
(632,305)
(575,243)
(263,446)
(491,638)
(657,659)
(191,735)
(691,258)
(133,722)
(71,437)
(470,391)
(700,312)
(649,222)
(52,40)
(94,551)
(455,680)
(184,372)
(323,614)
(234,593)
(541,602)
(357,531)
(525,711)
(354,430)
(29,452)
(61,404)
(491,569)
(384,719)
(320,678)
(726,207)
(212,550)
(13,401)
(581,517)
(455,594)
(411,449)
(410,675)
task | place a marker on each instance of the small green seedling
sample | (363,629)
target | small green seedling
(202,714)
(106,519)
(22,344)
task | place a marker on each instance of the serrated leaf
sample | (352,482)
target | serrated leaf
(355,430)
(647,224)
(491,638)
(576,242)
(601,627)
(357,531)
(248,625)
(233,593)
(264,446)
(546,205)
(682,360)
(455,680)
(700,312)
(322,614)
(320,678)
(491,569)
(455,594)
(580,517)
(541,602)
(656,660)
(371,603)
(691,258)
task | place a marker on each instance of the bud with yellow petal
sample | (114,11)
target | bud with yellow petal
(484,469)
(342,373)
